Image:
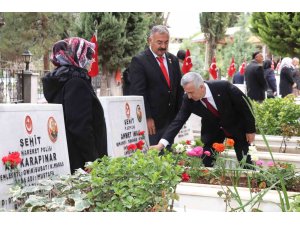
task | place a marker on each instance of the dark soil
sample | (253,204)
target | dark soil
(292,185)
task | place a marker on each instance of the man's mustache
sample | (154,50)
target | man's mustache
(162,49)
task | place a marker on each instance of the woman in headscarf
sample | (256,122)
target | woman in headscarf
(286,77)
(70,85)
(270,78)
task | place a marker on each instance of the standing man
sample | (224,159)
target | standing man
(225,112)
(155,75)
(255,79)
(296,76)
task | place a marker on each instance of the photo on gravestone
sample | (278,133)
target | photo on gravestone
(31,148)
(125,123)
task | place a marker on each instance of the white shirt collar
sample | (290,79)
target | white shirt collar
(155,56)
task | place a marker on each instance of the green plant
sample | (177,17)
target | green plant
(142,182)
(295,204)
(274,115)
(64,193)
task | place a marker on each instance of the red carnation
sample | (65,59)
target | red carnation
(142,132)
(185,177)
(131,147)
(140,144)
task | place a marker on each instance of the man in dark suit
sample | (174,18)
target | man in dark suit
(155,75)
(255,80)
(231,116)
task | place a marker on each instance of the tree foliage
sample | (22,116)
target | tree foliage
(214,26)
(120,35)
(280,31)
(36,31)
(241,49)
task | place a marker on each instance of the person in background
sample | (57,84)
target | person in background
(155,75)
(296,76)
(181,56)
(238,78)
(255,80)
(225,112)
(270,78)
(70,85)
(286,83)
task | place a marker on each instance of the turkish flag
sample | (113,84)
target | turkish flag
(95,68)
(231,69)
(243,68)
(213,70)
(187,63)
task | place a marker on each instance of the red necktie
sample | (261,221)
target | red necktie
(163,69)
(210,107)
(216,114)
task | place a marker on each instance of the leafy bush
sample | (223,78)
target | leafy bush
(278,116)
(59,194)
(142,182)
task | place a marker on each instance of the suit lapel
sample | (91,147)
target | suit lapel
(217,97)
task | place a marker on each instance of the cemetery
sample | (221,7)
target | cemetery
(35,174)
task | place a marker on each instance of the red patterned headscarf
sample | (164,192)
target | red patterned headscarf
(72,51)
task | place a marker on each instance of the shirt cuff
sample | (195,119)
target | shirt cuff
(164,142)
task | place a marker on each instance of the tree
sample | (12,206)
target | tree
(120,37)
(241,49)
(280,31)
(34,31)
(213,25)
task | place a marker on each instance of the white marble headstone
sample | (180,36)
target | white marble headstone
(124,116)
(37,132)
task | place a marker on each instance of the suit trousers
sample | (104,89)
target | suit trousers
(241,147)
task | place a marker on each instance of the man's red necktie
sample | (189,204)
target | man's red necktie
(210,107)
(214,111)
(163,69)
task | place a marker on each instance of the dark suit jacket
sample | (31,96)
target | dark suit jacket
(255,81)
(235,115)
(147,80)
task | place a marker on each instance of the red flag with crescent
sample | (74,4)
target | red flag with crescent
(95,69)
(213,70)
(231,69)
(187,63)
(243,68)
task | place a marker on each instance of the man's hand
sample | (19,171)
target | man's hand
(151,126)
(158,147)
(250,137)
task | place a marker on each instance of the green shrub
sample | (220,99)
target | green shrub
(142,182)
(278,116)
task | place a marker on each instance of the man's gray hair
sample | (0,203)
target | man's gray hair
(192,77)
(161,29)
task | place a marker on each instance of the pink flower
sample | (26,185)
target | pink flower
(270,164)
(207,153)
(197,151)
(259,162)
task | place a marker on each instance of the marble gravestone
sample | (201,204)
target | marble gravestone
(37,132)
(125,117)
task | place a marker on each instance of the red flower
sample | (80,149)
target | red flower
(142,132)
(140,144)
(230,142)
(219,147)
(185,177)
(12,160)
(188,142)
(131,147)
